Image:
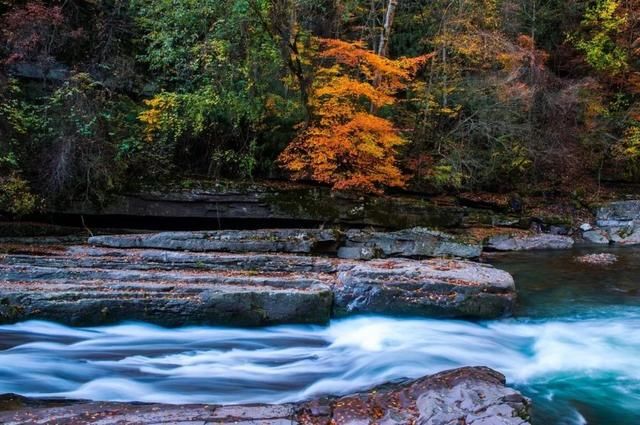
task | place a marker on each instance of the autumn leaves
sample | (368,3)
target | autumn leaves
(347,143)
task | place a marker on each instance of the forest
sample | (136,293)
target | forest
(102,96)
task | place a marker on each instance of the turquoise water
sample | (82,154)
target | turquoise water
(598,358)
(574,347)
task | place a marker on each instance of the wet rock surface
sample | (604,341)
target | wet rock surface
(540,241)
(472,396)
(82,285)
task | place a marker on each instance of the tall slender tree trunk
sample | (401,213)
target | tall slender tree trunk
(383,47)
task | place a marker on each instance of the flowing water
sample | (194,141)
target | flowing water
(573,346)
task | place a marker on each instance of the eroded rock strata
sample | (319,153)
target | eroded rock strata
(81,285)
(472,396)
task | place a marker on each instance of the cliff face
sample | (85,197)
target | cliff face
(263,203)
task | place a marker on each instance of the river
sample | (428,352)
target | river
(573,347)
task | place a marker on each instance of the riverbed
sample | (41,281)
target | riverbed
(573,346)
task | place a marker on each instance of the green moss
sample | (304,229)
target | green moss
(320,204)
(304,204)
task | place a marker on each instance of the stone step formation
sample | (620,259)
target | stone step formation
(84,285)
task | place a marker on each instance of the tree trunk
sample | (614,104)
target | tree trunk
(383,47)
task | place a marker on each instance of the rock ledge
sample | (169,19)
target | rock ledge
(86,286)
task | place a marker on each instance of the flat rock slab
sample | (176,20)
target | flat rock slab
(437,287)
(86,286)
(472,396)
(540,241)
(353,244)
(413,243)
(276,240)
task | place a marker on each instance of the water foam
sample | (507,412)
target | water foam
(551,359)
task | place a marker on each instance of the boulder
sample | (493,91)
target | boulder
(413,243)
(585,227)
(596,236)
(82,285)
(530,242)
(472,395)
(441,288)
(625,235)
(275,240)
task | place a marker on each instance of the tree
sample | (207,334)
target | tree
(345,144)
(219,76)
(605,21)
(383,46)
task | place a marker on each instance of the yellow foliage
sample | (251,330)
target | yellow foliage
(155,118)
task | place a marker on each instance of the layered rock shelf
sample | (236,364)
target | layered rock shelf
(153,278)
(617,223)
(473,396)
(273,203)
(352,244)
(274,240)
(541,241)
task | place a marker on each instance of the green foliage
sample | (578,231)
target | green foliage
(221,78)
(603,24)
(16,197)
(627,151)
(110,95)
(77,139)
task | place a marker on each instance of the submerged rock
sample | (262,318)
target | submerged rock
(413,243)
(472,395)
(530,242)
(91,286)
(597,259)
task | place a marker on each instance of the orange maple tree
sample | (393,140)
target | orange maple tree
(346,144)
